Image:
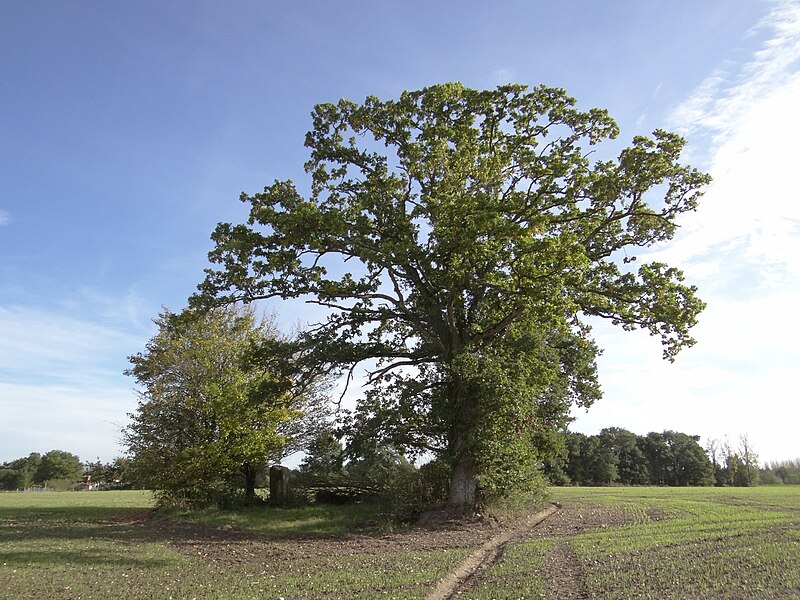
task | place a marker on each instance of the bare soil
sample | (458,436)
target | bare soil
(232,546)
(563,569)
(476,563)
(487,539)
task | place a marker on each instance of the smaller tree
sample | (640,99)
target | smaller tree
(714,450)
(748,473)
(20,473)
(59,465)
(215,406)
(739,466)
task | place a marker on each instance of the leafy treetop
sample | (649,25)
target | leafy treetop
(479,233)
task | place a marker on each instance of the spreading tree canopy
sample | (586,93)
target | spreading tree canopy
(460,238)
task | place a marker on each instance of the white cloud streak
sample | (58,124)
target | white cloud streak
(5,217)
(749,116)
(742,249)
(61,384)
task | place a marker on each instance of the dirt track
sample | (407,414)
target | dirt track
(562,570)
(484,557)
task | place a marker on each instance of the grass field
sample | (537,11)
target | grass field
(604,543)
(108,545)
(658,543)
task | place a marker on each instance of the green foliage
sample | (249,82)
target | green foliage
(58,464)
(112,475)
(631,464)
(477,234)
(382,464)
(208,414)
(784,472)
(676,459)
(20,473)
(379,475)
(619,456)
(324,455)
(432,485)
(734,466)
(57,469)
(590,461)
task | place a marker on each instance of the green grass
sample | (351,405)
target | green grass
(705,543)
(101,545)
(88,503)
(673,543)
(305,521)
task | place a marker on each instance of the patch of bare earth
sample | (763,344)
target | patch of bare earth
(479,561)
(563,569)
(231,546)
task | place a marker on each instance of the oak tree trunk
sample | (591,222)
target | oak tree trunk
(463,498)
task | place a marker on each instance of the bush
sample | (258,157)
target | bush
(64,484)
(413,492)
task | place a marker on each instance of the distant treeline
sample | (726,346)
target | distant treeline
(614,456)
(785,471)
(56,470)
(672,458)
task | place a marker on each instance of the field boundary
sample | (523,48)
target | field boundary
(484,557)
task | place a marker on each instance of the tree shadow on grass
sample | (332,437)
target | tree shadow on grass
(69,557)
(85,536)
(120,536)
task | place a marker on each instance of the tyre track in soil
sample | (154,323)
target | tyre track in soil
(562,573)
(484,557)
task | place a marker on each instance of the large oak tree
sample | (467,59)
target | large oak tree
(460,238)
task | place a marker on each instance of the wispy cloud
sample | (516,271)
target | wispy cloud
(59,347)
(733,90)
(84,420)
(61,383)
(5,218)
(747,115)
(504,75)
(742,249)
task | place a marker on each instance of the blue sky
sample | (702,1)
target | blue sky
(128,130)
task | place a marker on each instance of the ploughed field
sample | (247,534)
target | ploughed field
(659,543)
(601,543)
